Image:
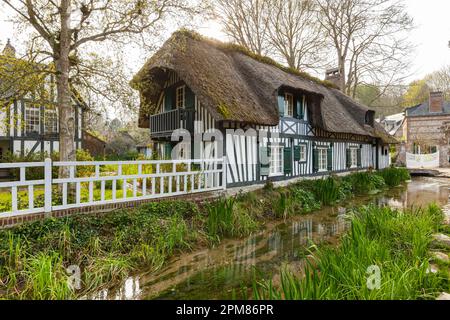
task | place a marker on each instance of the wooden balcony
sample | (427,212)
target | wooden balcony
(163,124)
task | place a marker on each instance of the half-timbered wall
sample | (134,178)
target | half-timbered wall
(243,152)
(13,130)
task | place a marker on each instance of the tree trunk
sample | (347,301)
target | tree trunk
(67,150)
(342,73)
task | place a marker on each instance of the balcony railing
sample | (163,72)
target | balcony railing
(163,124)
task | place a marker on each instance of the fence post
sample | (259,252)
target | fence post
(48,185)
(224,173)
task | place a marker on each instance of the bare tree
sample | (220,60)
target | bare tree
(68,26)
(440,81)
(369,38)
(246,22)
(295,33)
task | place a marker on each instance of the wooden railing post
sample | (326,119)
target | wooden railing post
(48,185)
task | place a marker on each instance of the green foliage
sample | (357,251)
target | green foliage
(397,242)
(305,200)
(327,191)
(219,221)
(365,182)
(394,176)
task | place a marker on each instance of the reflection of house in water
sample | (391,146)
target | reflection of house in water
(274,242)
(246,254)
(304,230)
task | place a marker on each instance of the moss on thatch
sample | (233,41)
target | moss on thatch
(241,49)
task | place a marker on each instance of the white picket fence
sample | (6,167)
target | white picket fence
(422,161)
(151,180)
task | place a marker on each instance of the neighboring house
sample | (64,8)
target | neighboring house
(29,125)
(427,128)
(93,144)
(145,149)
(304,126)
(120,143)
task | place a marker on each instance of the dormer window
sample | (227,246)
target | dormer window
(180,97)
(288,105)
(370,118)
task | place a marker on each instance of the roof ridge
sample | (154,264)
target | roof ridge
(229,46)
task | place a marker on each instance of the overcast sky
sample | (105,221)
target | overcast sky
(431,36)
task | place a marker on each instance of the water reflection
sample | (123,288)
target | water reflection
(214,273)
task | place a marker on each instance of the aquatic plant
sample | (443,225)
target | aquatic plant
(219,221)
(365,182)
(327,191)
(394,176)
(396,242)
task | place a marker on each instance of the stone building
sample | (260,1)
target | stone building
(427,128)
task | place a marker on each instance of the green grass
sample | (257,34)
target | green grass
(108,247)
(397,242)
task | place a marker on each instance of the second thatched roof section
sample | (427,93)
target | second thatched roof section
(236,85)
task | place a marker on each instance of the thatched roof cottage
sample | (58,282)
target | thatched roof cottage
(312,128)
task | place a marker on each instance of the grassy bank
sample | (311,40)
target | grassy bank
(107,247)
(396,242)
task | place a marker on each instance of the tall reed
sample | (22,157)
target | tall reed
(396,242)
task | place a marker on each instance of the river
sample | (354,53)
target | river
(225,271)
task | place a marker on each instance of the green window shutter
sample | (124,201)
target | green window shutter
(359,158)
(281,105)
(330,159)
(265,160)
(315,160)
(296,153)
(169,99)
(190,98)
(349,158)
(287,160)
(299,110)
(168,150)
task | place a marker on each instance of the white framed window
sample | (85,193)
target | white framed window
(180,97)
(50,121)
(302,148)
(288,105)
(32,119)
(323,159)
(353,157)
(276,160)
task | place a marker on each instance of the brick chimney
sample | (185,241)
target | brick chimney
(334,76)
(436,103)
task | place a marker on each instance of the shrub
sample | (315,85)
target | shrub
(327,191)
(394,176)
(305,200)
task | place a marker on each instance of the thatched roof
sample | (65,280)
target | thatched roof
(239,86)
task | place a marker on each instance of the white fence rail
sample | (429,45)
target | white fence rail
(104,182)
(422,161)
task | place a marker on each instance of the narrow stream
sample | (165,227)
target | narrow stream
(219,272)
